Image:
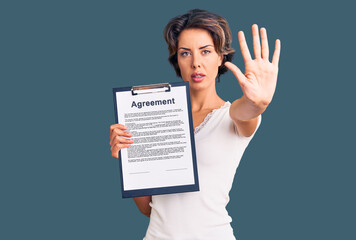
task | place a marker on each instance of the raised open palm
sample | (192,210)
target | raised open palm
(258,84)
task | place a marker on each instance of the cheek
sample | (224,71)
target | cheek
(182,66)
(218,61)
(214,65)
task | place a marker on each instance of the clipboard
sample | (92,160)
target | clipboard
(162,159)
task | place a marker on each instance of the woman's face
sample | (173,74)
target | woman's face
(197,59)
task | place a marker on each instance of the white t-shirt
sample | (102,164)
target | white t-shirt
(202,215)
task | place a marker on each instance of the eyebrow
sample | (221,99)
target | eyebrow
(199,48)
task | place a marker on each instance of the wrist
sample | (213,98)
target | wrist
(244,109)
(257,104)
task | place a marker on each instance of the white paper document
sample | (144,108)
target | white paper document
(162,158)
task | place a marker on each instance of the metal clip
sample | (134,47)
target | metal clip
(152,88)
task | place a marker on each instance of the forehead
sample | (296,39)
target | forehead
(194,37)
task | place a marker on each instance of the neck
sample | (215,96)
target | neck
(205,99)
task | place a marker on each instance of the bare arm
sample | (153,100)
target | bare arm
(143,204)
(244,116)
(258,84)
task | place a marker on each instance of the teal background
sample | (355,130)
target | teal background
(59,61)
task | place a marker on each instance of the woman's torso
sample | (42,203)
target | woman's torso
(202,214)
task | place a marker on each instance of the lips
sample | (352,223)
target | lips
(198,77)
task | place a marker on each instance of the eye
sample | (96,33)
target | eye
(184,54)
(206,52)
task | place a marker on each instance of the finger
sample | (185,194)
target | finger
(276,53)
(264,41)
(115,132)
(243,46)
(116,148)
(236,71)
(256,41)
(125,135)
(118,132)
(119,139)
(120,126)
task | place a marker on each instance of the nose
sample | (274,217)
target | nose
(196,61)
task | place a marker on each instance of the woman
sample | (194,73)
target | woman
(199,44)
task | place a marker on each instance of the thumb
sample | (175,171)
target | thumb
(237,72)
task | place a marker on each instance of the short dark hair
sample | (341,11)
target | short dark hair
(216,25)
